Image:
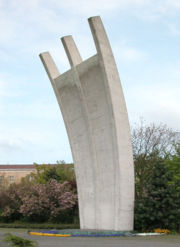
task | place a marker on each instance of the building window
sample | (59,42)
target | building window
(1,179)
(11,179)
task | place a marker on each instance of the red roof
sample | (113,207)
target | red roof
(17,167)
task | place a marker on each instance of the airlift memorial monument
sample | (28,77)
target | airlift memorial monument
(92,103)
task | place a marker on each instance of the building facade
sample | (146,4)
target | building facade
(14,173)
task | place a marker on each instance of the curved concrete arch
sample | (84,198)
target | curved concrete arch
(94,110)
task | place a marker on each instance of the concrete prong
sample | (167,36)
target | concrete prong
(71,50)
(99,35)
(49,66)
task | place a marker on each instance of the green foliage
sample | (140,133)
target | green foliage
(143,170)
(157,177)
(160,205)
(18,241)
(61,172)
(42,174)
(65,172)
(174,165)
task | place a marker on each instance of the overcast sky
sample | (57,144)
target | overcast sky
(145,39)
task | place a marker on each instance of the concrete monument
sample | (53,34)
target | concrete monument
(92,103)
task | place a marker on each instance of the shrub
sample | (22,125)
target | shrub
(18,241)
(39,225)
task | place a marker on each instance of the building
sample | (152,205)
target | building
(14,173)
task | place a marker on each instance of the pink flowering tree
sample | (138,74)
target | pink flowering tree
(50,201)
(37,202)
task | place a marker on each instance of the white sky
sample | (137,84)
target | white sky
(145,38)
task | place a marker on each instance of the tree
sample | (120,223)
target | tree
(150,144)
(152,138)
(160,206)
(61,172)
(174,165)
(66,172)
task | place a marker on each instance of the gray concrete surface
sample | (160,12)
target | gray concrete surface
(92,103)
(164,241)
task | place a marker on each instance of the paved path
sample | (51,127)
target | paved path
(163,241)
